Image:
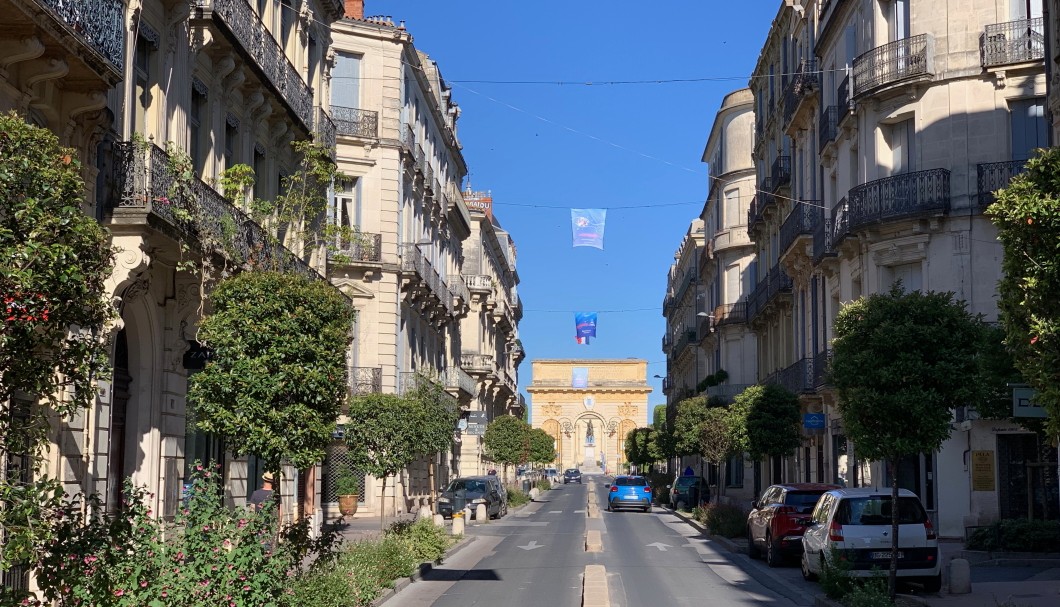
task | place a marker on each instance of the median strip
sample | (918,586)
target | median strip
(593,541)
(594,587)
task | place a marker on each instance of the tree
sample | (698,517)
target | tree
(433,414)
(1027,217)
(542,447)
(56,260)
(507,441)
(278,377)
(690,414)
(716,440)
(899,357)
(765,421)
(659,417)
(380,437)
(639,449)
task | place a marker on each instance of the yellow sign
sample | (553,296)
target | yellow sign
(983,471)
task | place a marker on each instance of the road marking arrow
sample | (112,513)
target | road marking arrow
(530,546)
(661,546)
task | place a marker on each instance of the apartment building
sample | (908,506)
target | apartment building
(685,310)
(434,282)
(882,129)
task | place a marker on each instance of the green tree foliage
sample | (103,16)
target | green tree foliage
(639,446)
(53,308)
(278,378)
(765,421)
(433,413)
(1027,216)
(507,440)
(542,447)
(659,417)
(717,441)
(691,412)
(899,357)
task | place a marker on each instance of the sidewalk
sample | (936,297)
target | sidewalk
(366,525)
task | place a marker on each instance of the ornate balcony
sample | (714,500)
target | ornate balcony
(96,24)
(408,144)
(802,88)
(843,98)
(145,183)
(766,292)
(685,339)
(822,240)
(238,21)
(780,173)
(730,314)
(828,125)
(797,378)
(906,59)
(667,343)
(821,361)
(459,290)
(456,379)
(324,130)
(802,221)
(477,364)
(479,283)
(993,176)
(840,224)
(667,385)
(362,247)
(1018,41)
(900,196)
(726,392)
(366,380)
(353,122)
(419,278)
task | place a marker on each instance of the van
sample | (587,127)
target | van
(856,524)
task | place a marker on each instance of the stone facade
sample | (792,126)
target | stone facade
(589,420)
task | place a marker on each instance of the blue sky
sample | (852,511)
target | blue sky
(545,148)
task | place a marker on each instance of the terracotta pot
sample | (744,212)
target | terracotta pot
(348,504)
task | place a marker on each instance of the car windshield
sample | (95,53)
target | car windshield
(571,473)
(686,481)
(803,500)
(631,482)
(876,510)
(467,484)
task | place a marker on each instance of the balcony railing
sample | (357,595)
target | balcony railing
(797,378)
(803,85)
(726,392)
(412,260)
(366,380)
(685,339)
(360,247)
(98,22)
(408,141)
(324,130)
(779,282)
(802,221)
(458,379)
(842,98)
(893,62)
(730,314)
(476,363)
(666,343)
(774,283)
(993,176)
(667,384)
(829,126)
(144,179)
(261,48)
(820,367)
(1013,42)
(458,287)
(900,196)
(822,240)
(840,223)
(353,122)
(411,380)
(780,173)
(479,282)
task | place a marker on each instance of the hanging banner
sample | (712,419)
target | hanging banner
(579,377)
(588,227)
(584,326)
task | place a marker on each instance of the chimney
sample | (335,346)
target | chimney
(354,9)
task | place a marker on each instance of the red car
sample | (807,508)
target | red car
(772,525)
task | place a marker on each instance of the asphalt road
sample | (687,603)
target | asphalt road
(536,557)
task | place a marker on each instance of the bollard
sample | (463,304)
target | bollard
(480,514)
(533,494)
(439,520)
(424,512)
(458,524)
(467,514)
(960,577)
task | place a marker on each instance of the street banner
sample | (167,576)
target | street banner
(588,227)
(579,377)
(584,326)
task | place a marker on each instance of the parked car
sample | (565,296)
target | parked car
(691,490)
(773,523)
(572,475)
(470,491)
(858,523)
(629,492)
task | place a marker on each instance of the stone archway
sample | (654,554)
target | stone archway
(591,442)
(551,427)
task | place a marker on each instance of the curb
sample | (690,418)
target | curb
(424,568)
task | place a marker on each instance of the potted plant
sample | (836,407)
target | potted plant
(348,488)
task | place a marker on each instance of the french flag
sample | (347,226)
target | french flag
(582,340)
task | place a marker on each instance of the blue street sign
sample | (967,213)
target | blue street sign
(813,421)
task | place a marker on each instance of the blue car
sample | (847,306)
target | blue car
(629,492)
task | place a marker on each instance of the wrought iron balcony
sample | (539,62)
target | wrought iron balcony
(324,130)
(362,247)
(353,122)
(768,288)
(780,173)
(685,339)
(993,176)
(822,240)
(843,98)
(411,380)
(98,23)
(730,314)
(802,221)
(840,224)
(828,126)
(821,360)
(476,363)
(803,86)
(366,380)
(797,378)
(667,384)
(458,287)
(894,62)
(144,180)
(778,281)
(257,44)
(413,262)
(757,210)
(726,392)
(1013,42)
(900,196)
(458,379)
(666,344)
(408,142)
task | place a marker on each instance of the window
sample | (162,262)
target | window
(900,137)
(1027,123)
(911,275)
(347,212)
(260,171)
(734,472)
(143,77)
(898,20)
(196,113)
(232,142)
(732,209)
(287,17)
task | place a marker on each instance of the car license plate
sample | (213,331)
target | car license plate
(876,556)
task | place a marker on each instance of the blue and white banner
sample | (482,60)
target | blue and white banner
(588,227)
(579,377)
(584,326)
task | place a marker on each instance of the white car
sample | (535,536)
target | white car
(552,475)
(857,522)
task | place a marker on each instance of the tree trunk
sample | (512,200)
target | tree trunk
(382,504)
(892,576)
(431,481)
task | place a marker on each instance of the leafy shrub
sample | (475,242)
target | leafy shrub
(870,593)
(427,541)
(544,484)
(1017,535)
(658,482)
(725,520)
(516,497)
(835,579)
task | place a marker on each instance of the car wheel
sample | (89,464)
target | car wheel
(609,509)
(752,550)
(932,584)
(807,575)
(773,557)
